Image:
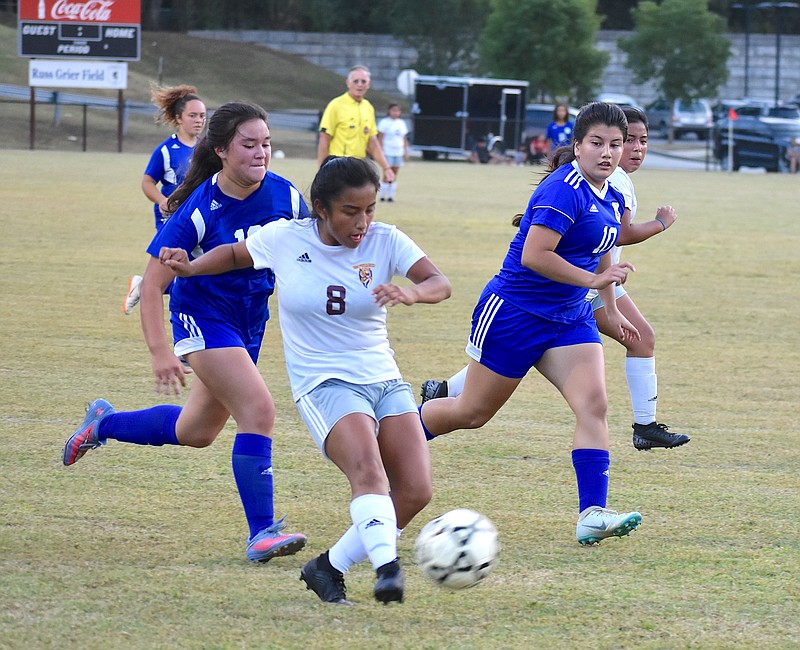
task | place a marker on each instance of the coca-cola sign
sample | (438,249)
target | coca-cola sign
(117,12)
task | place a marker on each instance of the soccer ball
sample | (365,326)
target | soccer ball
(457,549)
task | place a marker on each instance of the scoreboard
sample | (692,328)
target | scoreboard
(92,29)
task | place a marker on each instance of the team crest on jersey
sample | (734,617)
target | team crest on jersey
(365,274)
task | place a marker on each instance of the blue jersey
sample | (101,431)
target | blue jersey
(559,134)
(588,220)
(210,218)
(168,165)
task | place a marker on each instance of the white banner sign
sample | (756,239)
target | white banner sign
(78,74)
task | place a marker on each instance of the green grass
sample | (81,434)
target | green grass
(144,548)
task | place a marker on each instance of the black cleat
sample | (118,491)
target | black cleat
(649,436)
(327,583)
(432,389)
(389,583)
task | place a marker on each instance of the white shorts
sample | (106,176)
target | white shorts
(597,302)
(329,402)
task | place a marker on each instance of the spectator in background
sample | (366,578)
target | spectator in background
(348,127)
(559,131)
(793,156)
(393,137)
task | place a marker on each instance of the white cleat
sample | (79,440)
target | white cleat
(596,524)
(134,294)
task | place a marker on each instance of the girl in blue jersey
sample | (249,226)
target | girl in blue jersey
(559,131)
(334,275)
(562,249)
(180,108)
(217,322)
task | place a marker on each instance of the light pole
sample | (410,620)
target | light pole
(747,9)
(777,6)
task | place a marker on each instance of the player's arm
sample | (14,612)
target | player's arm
(167,368)
(151,191)
(635,233)
(430,286)
(221,259)
(375,151)
(538,254)
(621,325)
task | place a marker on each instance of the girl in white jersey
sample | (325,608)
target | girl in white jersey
(393,136)
(333,274)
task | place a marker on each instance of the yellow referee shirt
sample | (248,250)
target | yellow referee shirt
(350,125)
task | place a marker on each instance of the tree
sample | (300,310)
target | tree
(550,43)
(444,32)
(679,45)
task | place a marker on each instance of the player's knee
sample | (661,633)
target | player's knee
(367,476)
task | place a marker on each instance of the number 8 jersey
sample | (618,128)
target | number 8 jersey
(332,328)
(588,220)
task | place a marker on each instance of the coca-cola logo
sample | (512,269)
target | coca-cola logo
(94,11)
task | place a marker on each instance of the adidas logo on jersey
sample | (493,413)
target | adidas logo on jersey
(215,204)
(304,258)
(593,208)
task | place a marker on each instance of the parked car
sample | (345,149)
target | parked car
(756,141)
(617,98)
(679,117)
(755,108)
(538,116)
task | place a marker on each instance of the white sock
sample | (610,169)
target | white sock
(455,385)
(348,551)
(392,188)
(384,189)
(643,385)
(375,520)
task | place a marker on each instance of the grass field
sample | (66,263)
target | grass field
(144,548)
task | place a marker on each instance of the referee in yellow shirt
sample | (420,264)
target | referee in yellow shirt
(348,125)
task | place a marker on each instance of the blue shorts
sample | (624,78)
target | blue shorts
(192,334)
(510,341)
(329,402)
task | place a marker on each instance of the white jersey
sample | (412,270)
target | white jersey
(394,133)
(332,328)
(621,180)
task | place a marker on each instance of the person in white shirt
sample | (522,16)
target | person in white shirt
(334,278)
(393,136)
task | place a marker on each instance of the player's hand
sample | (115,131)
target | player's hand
(391,295)
(176,259)
(614,274)
(667,215)
(388,175)
(169,374)
(623,328)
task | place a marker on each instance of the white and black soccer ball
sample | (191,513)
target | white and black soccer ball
(457,549)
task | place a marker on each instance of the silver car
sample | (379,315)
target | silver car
(679,117)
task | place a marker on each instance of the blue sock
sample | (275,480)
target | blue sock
(252,469)
(591,469)
(154,426)
(428,435)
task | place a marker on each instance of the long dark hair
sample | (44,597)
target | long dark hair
(339,173)
(205,162)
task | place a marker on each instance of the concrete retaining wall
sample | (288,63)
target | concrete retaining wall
(387,56)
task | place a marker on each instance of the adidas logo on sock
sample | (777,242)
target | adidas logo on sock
(373,522)
(304,258)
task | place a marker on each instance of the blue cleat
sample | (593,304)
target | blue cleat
(269,543)
(85,437)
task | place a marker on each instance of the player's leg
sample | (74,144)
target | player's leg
(640,371)
(485,392)
(578,372)
(232,379)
